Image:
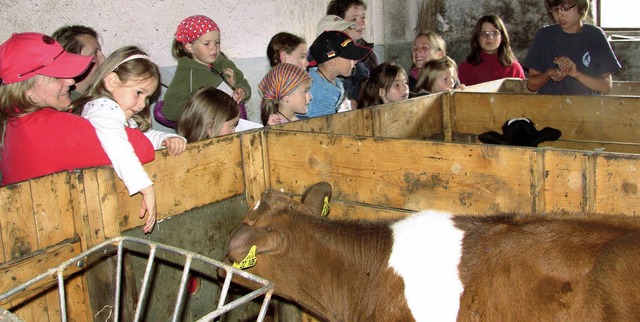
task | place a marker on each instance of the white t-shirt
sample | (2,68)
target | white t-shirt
(109,120)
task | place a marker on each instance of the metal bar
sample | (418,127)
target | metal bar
(61,294)
(182,287)
(266,289)
(145,281)
(119,265)
(225,289)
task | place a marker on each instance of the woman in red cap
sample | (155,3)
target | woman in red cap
(37,137)
(196,46)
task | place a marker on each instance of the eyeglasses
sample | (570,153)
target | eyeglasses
(490,34)
(562,8)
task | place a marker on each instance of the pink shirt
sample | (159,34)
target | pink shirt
(489,69)
(48,141)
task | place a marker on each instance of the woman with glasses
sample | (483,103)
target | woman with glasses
(491,56)
(570,57)
(37,134)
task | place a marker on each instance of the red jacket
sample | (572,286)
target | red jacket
(48,141)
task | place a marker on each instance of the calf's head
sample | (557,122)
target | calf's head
(521,132)
(276,225)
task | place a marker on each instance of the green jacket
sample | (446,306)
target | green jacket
(190,76)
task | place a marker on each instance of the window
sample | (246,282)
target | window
(617,14)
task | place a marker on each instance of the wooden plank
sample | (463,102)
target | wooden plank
(405,174)
(19,237)
(208,171)
(111,217)
(357,122)
(255,163)
(415,118)
(342,210)
(93,221)
(617,179)
(53,210)
(588,118)
(625,88)
(565,181)
(15,273)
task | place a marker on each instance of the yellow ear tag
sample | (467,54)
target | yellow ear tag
(325,207)
(249,261)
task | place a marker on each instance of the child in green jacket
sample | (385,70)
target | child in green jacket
(201,63)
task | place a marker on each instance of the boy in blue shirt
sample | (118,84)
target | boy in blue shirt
(570,57)
(336,55)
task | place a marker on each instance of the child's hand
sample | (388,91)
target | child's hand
(175,145)
(148,206)
(230,76)
(238,95)
(567,66)
(556,74)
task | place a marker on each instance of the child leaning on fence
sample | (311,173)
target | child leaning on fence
(125,84)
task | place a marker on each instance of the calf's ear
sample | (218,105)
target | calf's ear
(548,134)
(491,137)
(314,198)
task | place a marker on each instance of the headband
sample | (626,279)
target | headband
(282,80)
(191,28)
(132,57)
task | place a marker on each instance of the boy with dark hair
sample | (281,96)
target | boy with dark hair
(336,55)
(355,11)
(81,40)
(570,57)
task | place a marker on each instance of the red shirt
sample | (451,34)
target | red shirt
(48,141)
(489,69)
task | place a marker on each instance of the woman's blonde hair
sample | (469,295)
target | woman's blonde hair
(14,102)
(138,69)
(435,40)
(206,111)
(431,70)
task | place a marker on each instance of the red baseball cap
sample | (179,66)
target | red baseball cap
(28,54)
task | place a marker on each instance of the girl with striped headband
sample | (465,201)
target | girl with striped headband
(125,84)
(285,93)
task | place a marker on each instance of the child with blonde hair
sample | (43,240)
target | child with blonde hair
(196,46)
(209,112)
(119,98)
(426,46)
(439,75)
(387,84)
(285,92)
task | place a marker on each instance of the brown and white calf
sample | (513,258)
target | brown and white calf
(434,266)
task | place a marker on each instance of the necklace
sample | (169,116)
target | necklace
(325,77)
(286,118)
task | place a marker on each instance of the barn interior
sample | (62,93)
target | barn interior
(431,155)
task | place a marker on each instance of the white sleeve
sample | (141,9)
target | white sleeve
(157,137)
(109,120)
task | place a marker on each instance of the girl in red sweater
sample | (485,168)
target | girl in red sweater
(491,56)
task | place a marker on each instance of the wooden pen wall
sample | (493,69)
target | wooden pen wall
(381,163)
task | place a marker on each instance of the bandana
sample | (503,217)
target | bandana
(282,80)
(191,28)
